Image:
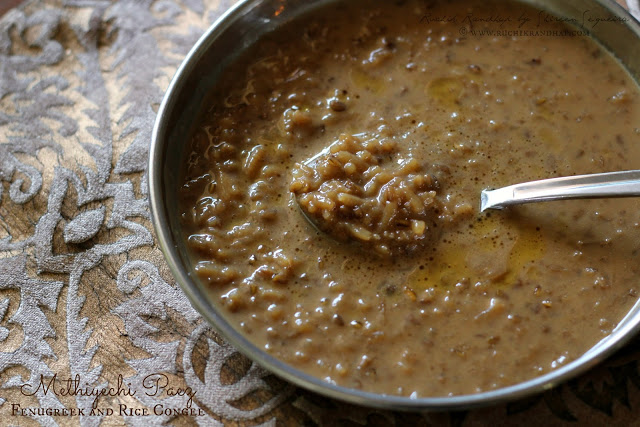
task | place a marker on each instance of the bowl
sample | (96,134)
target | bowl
(230,35)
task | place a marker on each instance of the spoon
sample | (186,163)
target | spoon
(593,186)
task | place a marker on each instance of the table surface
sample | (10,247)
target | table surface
(85,294)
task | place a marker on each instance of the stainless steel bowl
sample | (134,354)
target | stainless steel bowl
(231,34)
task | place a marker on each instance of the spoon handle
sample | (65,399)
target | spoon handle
(610,184)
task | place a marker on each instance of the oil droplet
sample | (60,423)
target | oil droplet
(498,250)
(367,81)
(445,90)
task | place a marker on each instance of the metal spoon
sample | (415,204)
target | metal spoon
(599,185)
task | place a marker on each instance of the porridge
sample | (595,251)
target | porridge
(331,193)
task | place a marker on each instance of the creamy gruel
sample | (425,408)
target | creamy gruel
(404,287)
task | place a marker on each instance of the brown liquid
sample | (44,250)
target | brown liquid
(491,299)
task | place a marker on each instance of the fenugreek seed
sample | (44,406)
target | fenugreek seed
(337,106)
(410,293)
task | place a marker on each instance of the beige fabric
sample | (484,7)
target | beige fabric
(84,290)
